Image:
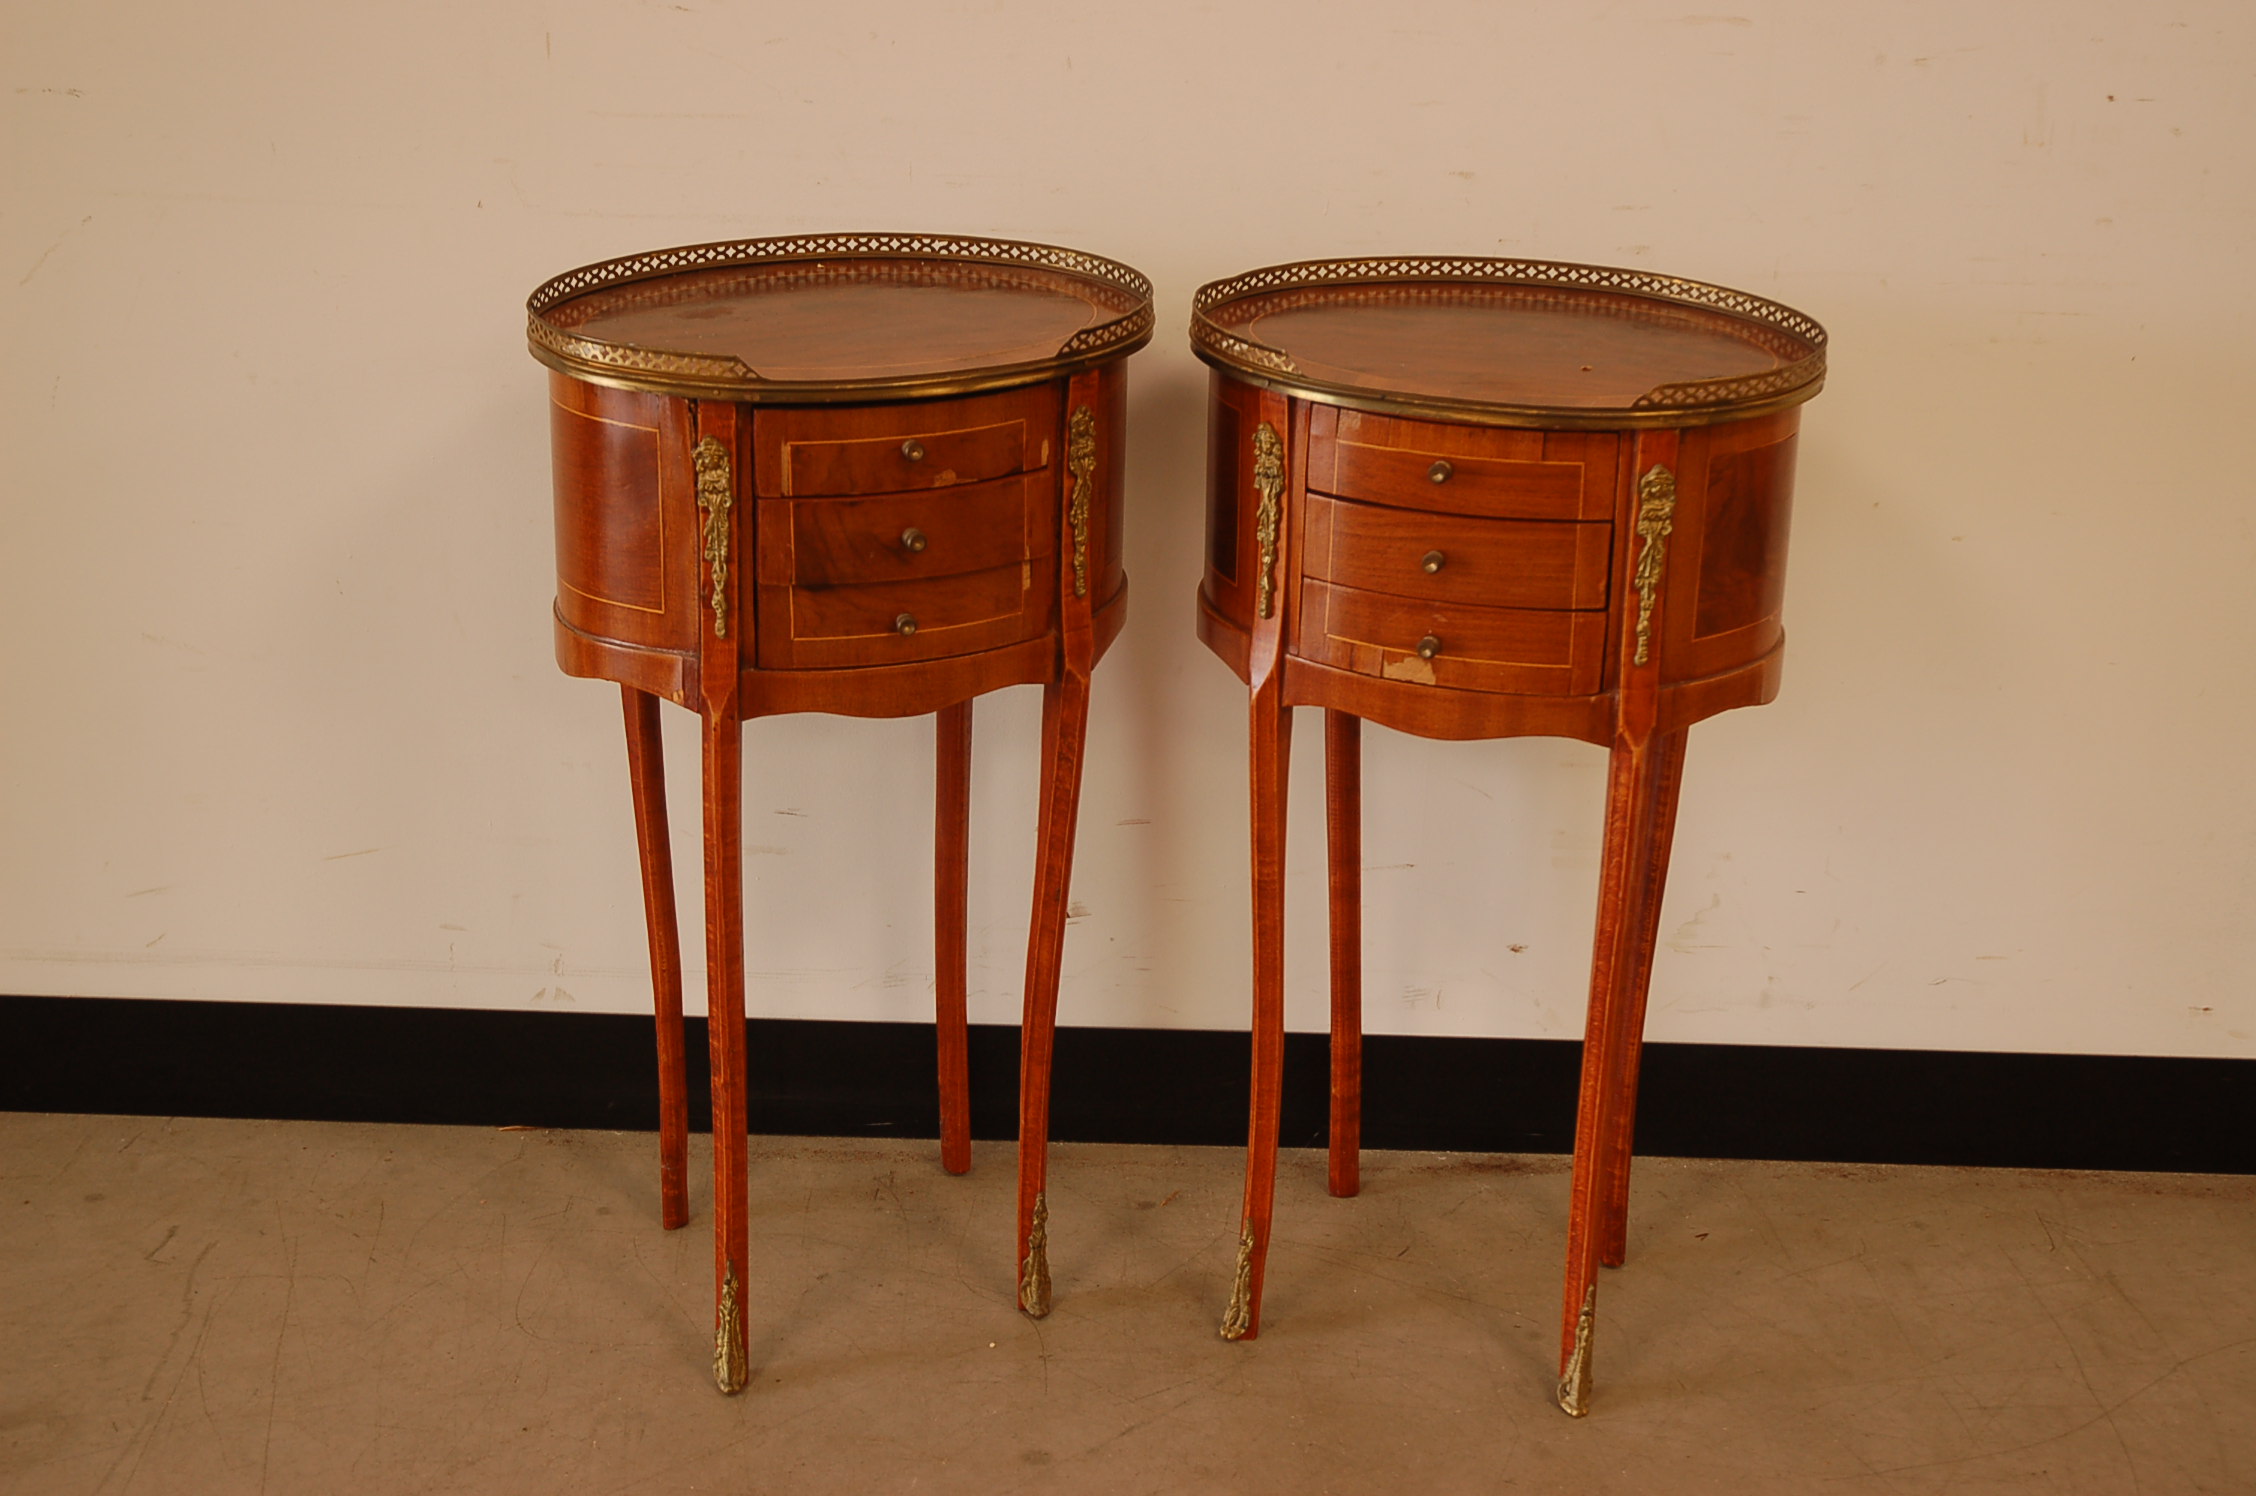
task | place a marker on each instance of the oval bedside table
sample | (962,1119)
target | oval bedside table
(869,474)
(1475,498)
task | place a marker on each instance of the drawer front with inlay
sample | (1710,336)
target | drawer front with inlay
(819,627)
(1459,469)
(1450,558)
(1472,648)
(903,537)
(872,449)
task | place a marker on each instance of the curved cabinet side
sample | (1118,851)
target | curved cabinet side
(626,520)
(1232,551)
(1726,586)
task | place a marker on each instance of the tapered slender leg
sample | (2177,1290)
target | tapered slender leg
(1343,826)
(1271,763)
(1065,723)
(1632,798)
(646,773)
(951,957)
(1644,919)
(724,966)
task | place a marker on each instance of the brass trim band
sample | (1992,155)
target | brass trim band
(725,377)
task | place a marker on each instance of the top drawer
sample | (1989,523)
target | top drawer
(808,451)
(1440,466)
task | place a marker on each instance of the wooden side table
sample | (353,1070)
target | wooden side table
(1474,498)
(870,474)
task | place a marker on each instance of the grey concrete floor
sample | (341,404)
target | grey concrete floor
(216,1307)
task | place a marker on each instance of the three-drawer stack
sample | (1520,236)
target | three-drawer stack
(1456,555)
(894,532)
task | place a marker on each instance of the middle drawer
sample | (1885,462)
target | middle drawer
(1502,563)
(901,537)
(901,577)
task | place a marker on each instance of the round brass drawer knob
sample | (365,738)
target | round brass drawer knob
(912,539)
(1428,647)
(905,625)
(1440,471)
(913,450)
(1431,562)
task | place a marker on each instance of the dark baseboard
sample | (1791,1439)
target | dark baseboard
(482,1068)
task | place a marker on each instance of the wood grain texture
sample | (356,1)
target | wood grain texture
(1610,1039)
(1343,857)
(1642,918)
(723,766)
(1438,474)
(1269,739)
(900,537)
(951,953)
(1539,652)
(866,449)
(646,779)
(848,318)
(1450,559)
(890,623)
(1065,725)
(1558,348)
(625,514)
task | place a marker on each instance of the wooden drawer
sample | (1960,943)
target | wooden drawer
(872,449)
(1478,470)
(1503,563)
(1520,650)
(819,627)
(903,537)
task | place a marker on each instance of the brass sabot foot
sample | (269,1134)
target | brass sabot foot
(1034,1268)
(1238,1318)
(1574,1383)
(728,1337)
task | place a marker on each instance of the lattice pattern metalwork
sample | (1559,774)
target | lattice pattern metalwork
(1772,325)
(1122,289)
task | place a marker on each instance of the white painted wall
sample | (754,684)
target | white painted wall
(281,721)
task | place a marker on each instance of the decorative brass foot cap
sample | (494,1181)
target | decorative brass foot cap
(1237,1320)
(1574,1382)
(728,1337)
(1034,1268)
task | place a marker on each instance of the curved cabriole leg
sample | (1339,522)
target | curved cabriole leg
(646,773)
(1610,1038)
(1272,754)
(724,966)
(951,956)
(1644,919)
(1343,825)
(1065,723)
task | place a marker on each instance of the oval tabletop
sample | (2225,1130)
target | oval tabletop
(1510,342)
(839,317)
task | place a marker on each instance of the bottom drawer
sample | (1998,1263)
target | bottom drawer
(1524,651)
(887,623)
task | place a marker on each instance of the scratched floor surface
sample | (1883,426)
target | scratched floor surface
(214,1307)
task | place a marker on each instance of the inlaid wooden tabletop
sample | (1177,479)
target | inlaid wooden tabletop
(839,316)
(1485,339)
